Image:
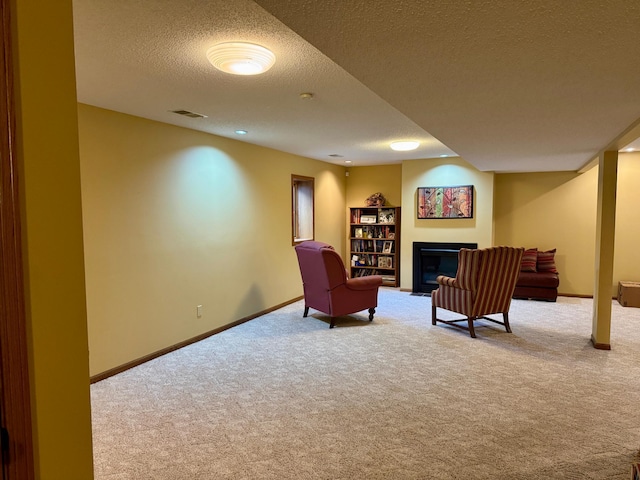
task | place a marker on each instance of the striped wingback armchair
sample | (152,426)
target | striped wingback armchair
(483,285)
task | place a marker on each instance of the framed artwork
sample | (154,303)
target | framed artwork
(445,202)
(368,219)
(387,246)
(387,215)
(385,262)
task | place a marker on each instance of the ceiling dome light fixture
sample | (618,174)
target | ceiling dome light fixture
(404,146)
(241,58)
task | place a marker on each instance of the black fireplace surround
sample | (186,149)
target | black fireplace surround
(431,259)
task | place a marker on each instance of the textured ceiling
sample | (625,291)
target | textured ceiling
(508,85)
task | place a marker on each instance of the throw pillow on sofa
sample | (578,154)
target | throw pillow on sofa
(529,260)
(547,261)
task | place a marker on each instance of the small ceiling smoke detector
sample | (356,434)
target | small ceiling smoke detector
(241,58)
(335,155)
(306,96)
(404,146)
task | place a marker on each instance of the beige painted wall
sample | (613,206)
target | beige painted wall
(176,218)
(558,210)
(626,265)
(49,170)
(362,182)
(551,210)
(435,172)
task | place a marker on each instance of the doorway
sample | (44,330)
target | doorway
(15,412)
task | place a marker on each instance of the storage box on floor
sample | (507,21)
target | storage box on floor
(629,294)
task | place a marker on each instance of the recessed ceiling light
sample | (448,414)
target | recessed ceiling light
(347,161)
(404,146)
(444,155)
(241,58)
(630,149)
(241,132)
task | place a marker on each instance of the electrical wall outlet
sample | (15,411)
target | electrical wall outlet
(199,311)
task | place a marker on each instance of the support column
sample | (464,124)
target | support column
(605,239)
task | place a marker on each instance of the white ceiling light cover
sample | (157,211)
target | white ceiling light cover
(404,146)
(241,58)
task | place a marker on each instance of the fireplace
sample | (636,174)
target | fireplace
(431,259)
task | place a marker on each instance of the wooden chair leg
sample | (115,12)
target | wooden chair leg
(433,315)
(371,312)
(472,331)
(306,311)
(505,315)
(333,322)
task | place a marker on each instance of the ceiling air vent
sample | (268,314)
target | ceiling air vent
(189,114)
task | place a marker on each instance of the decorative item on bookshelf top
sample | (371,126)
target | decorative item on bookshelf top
(375,200)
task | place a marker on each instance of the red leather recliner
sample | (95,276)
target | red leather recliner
(327,287)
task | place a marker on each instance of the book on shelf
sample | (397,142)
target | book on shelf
(365,272)
(373,232)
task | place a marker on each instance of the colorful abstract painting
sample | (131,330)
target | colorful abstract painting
(445,202)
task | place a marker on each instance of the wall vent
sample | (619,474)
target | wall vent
(189,114)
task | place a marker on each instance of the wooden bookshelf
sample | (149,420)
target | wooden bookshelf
(374,241)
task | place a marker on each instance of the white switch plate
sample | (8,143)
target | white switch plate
(199,311)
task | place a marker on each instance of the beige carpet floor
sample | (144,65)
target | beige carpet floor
(284,397)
